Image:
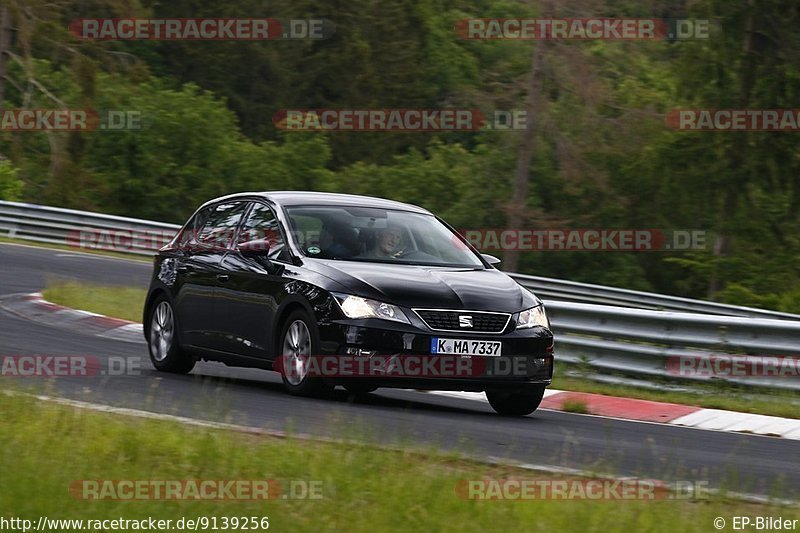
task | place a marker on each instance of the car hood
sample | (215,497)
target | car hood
(429,286)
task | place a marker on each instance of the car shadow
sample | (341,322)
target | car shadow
(269,382)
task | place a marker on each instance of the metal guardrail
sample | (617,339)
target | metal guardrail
(678,346)
(573,291)
(610,330)
(55,225)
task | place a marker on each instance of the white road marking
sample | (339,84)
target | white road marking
(719,420)
(479,396)
(127,333)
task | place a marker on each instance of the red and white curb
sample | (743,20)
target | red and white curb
(659,412)
(34,307)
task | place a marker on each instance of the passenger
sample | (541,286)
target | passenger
(338,241)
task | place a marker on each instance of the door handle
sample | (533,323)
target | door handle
(223,277)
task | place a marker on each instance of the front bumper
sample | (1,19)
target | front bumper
(399,356)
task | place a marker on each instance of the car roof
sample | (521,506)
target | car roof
(288,198)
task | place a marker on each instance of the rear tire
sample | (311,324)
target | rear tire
(299,341)
(162,339)
(516,403)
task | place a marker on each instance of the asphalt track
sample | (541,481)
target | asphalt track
(739,462)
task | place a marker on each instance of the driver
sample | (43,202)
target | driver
(387,242)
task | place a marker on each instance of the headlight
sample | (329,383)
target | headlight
(357,307)
(535,316)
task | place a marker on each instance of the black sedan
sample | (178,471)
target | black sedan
(332,289)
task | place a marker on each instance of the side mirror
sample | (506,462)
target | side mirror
(256,248)
(492,260)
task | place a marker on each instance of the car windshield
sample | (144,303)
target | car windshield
(377,235)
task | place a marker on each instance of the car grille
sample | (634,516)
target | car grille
(483,322)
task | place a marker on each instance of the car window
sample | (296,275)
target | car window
(325,235)
(219,225)
(189,232)
(306,230)
(261,224)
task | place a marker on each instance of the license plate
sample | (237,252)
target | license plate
(465,347)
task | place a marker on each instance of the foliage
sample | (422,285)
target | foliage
(10,185)
(602,157)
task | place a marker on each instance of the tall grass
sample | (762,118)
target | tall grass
(45,447)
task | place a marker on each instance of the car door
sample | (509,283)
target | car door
(198,272)
(248,300)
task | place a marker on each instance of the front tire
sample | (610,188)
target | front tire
(299,341)
(162,340)
(516,403)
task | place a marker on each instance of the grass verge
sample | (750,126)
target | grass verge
(121,302)
(127,302)
(45,448)
(575,406)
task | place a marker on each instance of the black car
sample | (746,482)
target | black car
(334,289)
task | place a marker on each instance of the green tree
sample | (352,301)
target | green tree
(10,185)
